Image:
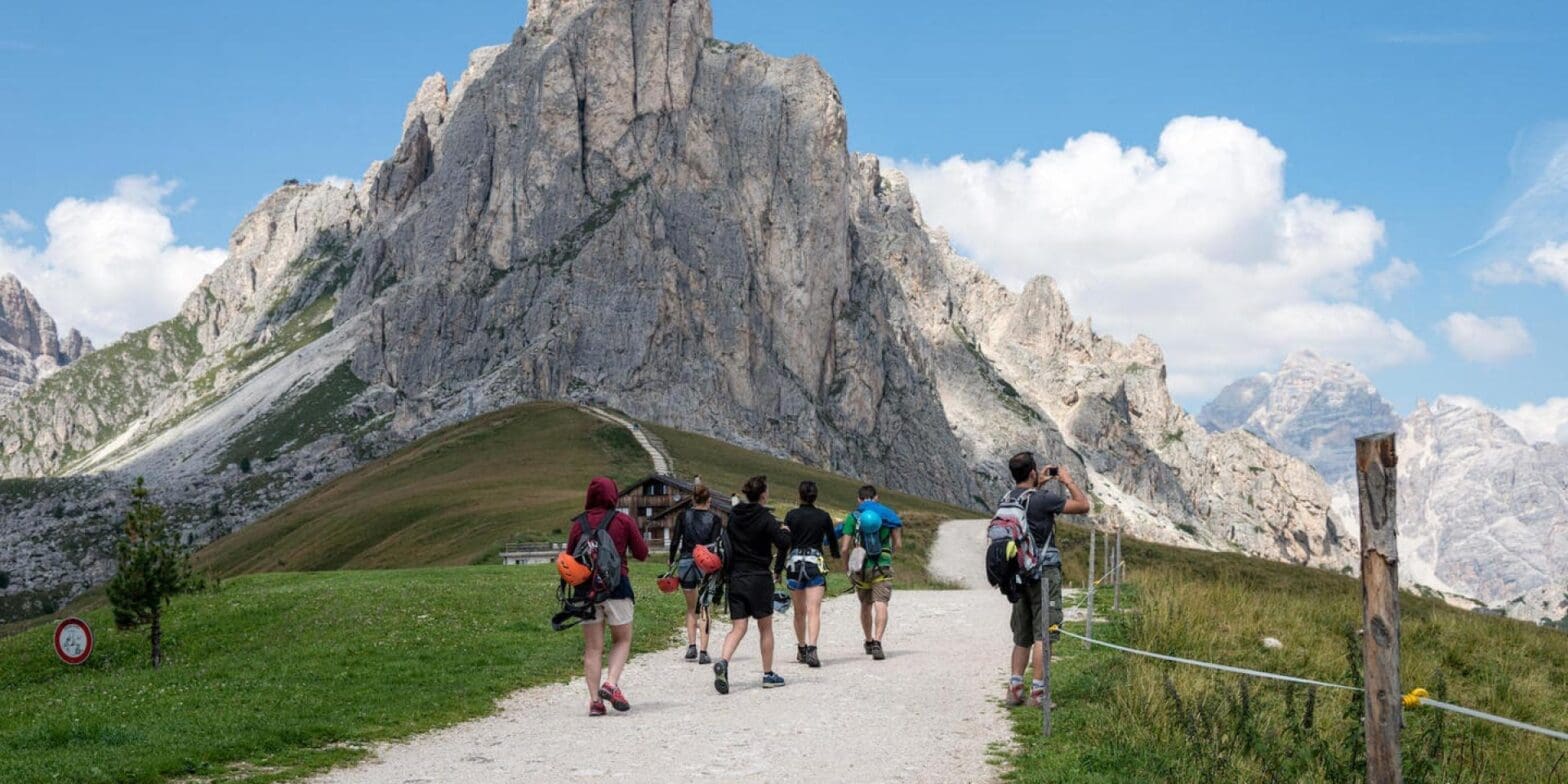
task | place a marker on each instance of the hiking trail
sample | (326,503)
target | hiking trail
(931,711)
(662,464)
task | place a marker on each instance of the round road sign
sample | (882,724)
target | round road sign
(73,641)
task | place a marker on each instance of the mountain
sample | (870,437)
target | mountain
(1313,408)
(1483,514)
(30,344)
(617,208)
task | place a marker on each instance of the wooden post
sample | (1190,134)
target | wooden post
(1088,623)
(1116,579)
(1376,484)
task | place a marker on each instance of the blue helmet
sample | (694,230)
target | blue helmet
(870,521)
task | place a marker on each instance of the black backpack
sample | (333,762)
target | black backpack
(704,534)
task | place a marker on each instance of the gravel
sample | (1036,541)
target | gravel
(928,713)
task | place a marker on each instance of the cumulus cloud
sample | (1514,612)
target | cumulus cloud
(1544,422)
(11,222)
(1547,265)
(1195,244)
(1397,275)
(111,265)
(1482,339)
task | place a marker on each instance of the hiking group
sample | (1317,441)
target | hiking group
(739,564)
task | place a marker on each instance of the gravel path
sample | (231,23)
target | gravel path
(655,450)
(930,710)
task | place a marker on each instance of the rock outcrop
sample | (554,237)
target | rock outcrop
(31,348)
(616,208)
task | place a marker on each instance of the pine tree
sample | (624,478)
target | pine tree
(153,567)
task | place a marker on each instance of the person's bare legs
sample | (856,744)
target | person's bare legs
(732,640)
(801,630)
(765,637)
(691,618)
(814,613)
(620,651)
(1039,660)
(1020,660)
(707,626)
(593,654)
(881,620)
(865,620)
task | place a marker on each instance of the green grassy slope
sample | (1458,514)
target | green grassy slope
(1120,719)
(289,673)
(453,497)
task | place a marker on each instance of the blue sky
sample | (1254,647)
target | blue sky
(1435,117)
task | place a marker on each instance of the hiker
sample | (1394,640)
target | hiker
(698,525)
(810,529)
(753,536)
(871,534)
(616,610)
(1042,504)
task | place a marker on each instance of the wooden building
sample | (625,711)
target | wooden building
(656,503)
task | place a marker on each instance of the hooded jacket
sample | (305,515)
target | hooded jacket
(601,502)
(754,535)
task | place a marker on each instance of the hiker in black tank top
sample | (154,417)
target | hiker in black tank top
(811,538)
(697,525)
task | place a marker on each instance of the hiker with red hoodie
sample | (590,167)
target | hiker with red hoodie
(616,610)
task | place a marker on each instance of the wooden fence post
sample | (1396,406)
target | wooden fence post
(1376,484)
(1088,623)
(1116,579)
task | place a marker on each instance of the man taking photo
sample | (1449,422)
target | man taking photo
(1036,487)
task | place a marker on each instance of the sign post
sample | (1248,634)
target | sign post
(73,641)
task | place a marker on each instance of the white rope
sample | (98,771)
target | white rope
(1213,666)
(1475,714)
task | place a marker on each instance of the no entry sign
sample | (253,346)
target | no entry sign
(73,641)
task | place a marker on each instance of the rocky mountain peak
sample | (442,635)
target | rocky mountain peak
(30,344)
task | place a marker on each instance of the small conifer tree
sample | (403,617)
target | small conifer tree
(153,567)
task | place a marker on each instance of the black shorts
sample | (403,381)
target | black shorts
(751,596)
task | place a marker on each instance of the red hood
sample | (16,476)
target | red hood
(601,493)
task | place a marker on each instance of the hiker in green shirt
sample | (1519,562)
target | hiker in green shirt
(870,534)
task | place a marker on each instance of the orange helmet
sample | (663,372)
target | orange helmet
(668,584)
(706,560)
(572,570)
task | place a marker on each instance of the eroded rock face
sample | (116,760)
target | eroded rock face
(30,345)
(616,208)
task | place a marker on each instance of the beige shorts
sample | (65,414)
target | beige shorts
(618,612)
(880,591)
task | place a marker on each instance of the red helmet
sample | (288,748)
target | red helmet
(706,560)
(668,584)
(572,570)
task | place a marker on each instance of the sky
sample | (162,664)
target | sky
(1384,183)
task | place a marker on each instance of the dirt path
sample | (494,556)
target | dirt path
(930,710)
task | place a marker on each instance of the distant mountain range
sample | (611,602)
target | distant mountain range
(30,345)
(1483,514)
(618,208)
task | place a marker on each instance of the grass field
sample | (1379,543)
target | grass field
(1120,720)
(272,675)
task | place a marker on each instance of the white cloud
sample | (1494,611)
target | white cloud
(1196,245)
(1547,264)
(1397,275)
(1481,339)
(1546,421)
(11,222)
(112,265)
(335,181)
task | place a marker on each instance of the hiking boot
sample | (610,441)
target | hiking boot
(1036,694)
(771,680)
(691,653)
(595,708)
(810,657)
(721,676)
(800,654)
(702,658)
(613,693)
(1015,694)
(868,646)
(876,650)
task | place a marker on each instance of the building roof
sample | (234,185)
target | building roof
(719,502)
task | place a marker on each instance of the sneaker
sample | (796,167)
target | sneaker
(771,680)
(876,650)
(810,657)
(596,708)
(721,676)
(613,694)
(691,653)
(1015,694)
(702,658)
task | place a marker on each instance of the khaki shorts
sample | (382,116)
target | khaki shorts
(880,591)
(618,612)
(1027,621)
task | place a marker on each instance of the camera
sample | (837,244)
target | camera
(1052,471)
